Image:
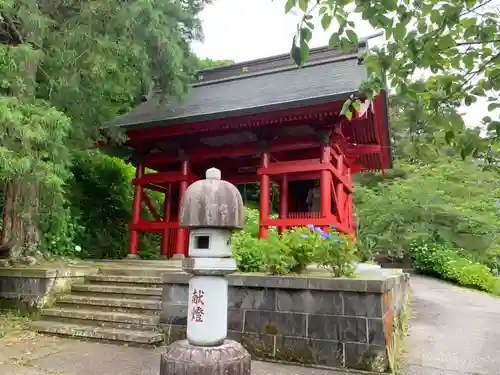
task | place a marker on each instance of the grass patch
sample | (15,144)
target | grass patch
(400,328)
(13,324)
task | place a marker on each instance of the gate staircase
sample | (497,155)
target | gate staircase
(121,303)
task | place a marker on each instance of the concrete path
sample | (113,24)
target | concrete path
(452,331)
(42,355)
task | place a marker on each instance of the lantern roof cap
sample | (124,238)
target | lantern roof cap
(212,203)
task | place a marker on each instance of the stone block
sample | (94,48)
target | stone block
(363,304)
(181,278)
(340,284)
(252,298)
(337,328)
(260,345)
(309,351)
(275,323)
(376,332)
(175,294)
(173,333)
(235,319)
(309,301)
(268,281)
(365,357)
(174,314)
(24,286)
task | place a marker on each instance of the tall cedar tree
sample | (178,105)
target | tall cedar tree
(67,67)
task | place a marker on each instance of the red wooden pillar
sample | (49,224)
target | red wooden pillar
(325,183)
(283,200)
(167,204)
(350,221)
(265,192)
(180,242)
(136,213)
(340,191)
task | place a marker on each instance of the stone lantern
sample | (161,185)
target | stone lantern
(211,209)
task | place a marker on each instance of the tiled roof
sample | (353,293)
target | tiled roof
(255,87)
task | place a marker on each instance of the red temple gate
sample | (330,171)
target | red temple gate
(261,122)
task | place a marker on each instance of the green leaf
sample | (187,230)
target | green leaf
(469,100)
(448,136)
(369,13)
(493,106)
(486,119)
(289,5)
(469,60)
(305,34)
(352,36)
(399,32)
(470,32)
(326,20)
(310,25)
(357,105)
(303,5)
(295,53)
(334,40)
(304,51)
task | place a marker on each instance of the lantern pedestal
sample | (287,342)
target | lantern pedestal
(182,358)
(211,209)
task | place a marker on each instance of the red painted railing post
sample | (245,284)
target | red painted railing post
(167,204)
(283,200)
(180,244)
(325,183)
(136,213)
(265,192)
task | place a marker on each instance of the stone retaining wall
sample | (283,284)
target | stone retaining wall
(319,321)
(31,288)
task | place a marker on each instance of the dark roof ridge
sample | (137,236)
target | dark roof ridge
(278,70)
(362,44)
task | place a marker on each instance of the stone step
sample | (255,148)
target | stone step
(139,281)
(101,318)
(117,291)
(135,306)
(136,271)
(100,333)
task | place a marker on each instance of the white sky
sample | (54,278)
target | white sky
(243,30)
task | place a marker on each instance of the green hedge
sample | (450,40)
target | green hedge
(453,265)
(93,224)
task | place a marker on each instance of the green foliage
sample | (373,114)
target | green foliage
(293,251)
(338,254)
(209,63)
(448,201)
(449,264)
(67,68)
(101,201)
(456,41)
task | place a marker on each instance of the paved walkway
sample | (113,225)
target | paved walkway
(41,355)
(452,331)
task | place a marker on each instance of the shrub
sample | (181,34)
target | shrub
(338,254)
(454,204)
(451,264)
(247,252)
(293,251)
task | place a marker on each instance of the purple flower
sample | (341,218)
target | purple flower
(322,233)
(303,236)
(339,241)
(332,226)
(310,226)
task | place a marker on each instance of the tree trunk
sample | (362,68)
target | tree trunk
(20,234)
